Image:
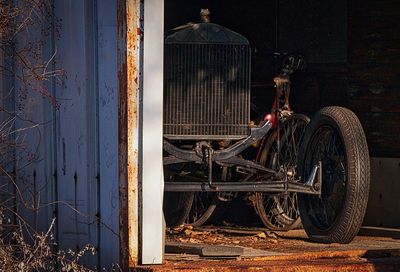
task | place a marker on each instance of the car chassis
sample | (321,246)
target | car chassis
(277,182)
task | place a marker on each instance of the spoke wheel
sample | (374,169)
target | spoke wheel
(329,149)
(336,139)
(280,211)
(204,205)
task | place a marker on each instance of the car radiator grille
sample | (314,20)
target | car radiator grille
(206,91)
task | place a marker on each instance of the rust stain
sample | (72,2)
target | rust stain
(128,122)
(133,60)
(122,136)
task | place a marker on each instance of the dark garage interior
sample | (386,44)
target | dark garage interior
(352,54)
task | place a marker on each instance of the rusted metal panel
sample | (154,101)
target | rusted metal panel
(128,88)
(122,137)
(134,50)
(134,175)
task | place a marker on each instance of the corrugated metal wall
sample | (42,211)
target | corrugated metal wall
(108,129)
(76,146)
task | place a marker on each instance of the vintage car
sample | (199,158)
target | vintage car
(315,170)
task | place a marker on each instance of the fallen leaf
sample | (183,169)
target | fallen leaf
(262,235)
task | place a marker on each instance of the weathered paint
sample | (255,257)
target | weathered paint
(75,148)
(140,128)
(108,132)
(76,136)
(30,181)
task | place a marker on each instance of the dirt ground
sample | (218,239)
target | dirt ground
(283,242)
(265,250)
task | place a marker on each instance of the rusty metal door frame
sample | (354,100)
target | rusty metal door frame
(140,89)
(128,97)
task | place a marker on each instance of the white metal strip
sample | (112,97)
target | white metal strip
(152,172)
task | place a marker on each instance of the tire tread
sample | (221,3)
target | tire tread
(358,172)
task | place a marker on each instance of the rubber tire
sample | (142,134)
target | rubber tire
(259,197)
(177,206)
(350,218)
